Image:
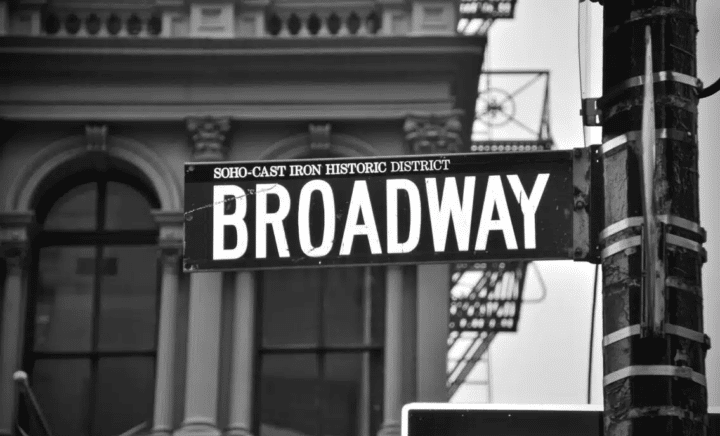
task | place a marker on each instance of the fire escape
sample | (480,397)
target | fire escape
(512,115)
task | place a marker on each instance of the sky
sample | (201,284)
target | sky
(546,361)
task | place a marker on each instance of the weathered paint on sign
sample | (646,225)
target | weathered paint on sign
(389,210)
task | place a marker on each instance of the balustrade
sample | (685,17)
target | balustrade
(109,24)
(323,24)
(194,19)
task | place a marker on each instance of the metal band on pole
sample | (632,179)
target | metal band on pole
(670,220)
(660,76)
(665,133)
(656,371)
(672,329)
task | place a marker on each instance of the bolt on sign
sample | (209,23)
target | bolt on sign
(380,210)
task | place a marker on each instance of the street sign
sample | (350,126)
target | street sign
(457,419)
(379,210)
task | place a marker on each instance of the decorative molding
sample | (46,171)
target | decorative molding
(171,228)
(298,146)
(45,162)
(432,133)
(319,136)
(241,111)
(208,135)
(96,136)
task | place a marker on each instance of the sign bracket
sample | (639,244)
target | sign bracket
(588,203)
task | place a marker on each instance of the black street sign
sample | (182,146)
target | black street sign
(380,210)
(447,419)
(431,419)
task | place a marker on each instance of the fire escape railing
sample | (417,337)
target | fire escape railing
(486,297)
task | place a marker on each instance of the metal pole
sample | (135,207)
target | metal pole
(654,346)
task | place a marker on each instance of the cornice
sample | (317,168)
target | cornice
(262,47)
(242,112)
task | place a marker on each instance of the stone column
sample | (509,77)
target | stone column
(433,301)
(241,376)
(171,227)
(14,238)
(393,352)
(203,354)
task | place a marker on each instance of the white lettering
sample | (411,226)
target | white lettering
(450,206)
(529,205)
(275,219)
(495,198)
(236,219)
(360,204)
(393,186)
(304,218)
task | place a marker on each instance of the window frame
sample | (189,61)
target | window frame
(98,239)
(369,350)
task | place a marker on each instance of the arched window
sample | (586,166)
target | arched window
(91,343)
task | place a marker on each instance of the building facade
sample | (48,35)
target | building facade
(101,104)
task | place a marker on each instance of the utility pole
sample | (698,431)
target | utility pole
(654,343)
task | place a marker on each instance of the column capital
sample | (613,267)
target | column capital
(319,136)
(432,133)
(96,137)
(208,136)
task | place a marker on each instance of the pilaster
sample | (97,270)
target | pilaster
(15,236)
(396,16)
(203,356)
(433,300)
(208,142)
(241,377)
(172,11)
(393,352)
(170,252)
(250,21)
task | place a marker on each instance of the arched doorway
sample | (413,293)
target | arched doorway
(92,320)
